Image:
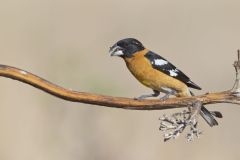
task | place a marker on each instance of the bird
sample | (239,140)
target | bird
(158,74)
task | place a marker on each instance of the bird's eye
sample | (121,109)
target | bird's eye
(121,44)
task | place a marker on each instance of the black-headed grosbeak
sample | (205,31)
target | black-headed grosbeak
(157,73)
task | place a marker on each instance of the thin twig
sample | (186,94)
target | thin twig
(236,86)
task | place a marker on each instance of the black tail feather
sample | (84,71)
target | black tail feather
(217,114)
(208,116)
(193,85)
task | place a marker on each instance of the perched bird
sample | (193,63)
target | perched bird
(157,73)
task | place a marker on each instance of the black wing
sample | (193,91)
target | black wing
(166,67)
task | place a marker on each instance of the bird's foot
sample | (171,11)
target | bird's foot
(174,125)
(165,97)
(154,94)
(141,97)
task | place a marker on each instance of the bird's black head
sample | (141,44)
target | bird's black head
(126,47)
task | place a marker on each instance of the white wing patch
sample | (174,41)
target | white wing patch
(160,62)
(173,72)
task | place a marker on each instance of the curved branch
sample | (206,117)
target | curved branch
(109,101)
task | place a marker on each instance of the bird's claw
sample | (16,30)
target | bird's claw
(165,97)
(140,97)
(155,94)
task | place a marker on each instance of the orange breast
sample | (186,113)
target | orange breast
(142,70)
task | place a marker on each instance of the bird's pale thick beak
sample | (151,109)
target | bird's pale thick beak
(116,51)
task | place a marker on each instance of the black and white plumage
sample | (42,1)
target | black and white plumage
(157,73)
(166,67)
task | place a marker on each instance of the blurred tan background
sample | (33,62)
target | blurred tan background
(67,42)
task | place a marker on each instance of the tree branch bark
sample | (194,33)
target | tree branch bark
(230,96)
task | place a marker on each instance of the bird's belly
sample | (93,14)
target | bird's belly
(160,82)
(155,79)
(151,80)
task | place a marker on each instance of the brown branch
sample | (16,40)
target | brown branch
(231,96)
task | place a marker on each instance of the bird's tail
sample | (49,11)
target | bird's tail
(209,116)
